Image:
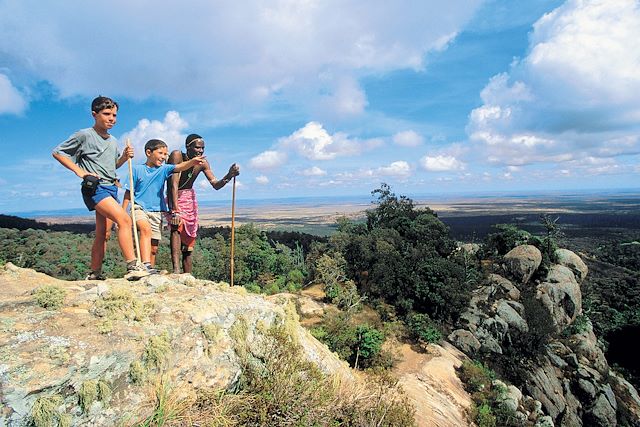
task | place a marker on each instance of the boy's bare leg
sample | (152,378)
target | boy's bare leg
(186,261)
(145,239)
(99,248)
(112,210)
(154,251)
(175,249)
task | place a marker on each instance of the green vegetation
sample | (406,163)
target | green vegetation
(403,256)
(50,296)
(93,391)
(137,372)
(281,388)
(423,328)
(45,412)
(157,351)
(487,395)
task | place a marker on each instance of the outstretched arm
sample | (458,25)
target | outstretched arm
(234,171)
(198,160)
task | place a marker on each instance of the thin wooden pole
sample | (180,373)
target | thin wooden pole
(133,213)
(233,227)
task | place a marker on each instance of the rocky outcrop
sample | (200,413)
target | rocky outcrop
(570,383)
(108,336)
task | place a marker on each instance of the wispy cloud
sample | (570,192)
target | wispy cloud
(313,171)
(11,100)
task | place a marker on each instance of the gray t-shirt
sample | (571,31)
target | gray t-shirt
(92,153)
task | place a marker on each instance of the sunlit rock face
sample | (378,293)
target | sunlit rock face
(113,333)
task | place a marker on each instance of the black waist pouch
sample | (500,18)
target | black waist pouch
(90,183)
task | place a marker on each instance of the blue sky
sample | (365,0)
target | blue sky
(323,98)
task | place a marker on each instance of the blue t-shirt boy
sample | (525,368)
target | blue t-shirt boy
(148,186)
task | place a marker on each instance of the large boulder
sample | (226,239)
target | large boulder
(504,287)
(522,261)
(573,262)
(508,313)
(465,341)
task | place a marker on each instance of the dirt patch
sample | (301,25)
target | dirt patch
(430,381)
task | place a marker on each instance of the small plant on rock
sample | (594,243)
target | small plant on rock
(50,296)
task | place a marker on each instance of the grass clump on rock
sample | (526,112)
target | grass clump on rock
(93,391)
(157,350)
(45,412)
(120,303)
(50,297)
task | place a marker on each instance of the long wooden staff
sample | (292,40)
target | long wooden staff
(133,211)
(233,226)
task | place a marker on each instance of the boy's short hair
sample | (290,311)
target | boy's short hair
(191,139)
(154,144)
(102,103)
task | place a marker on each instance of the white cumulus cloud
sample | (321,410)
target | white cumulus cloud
(573,95)
(313,142)
(269,159)
(170,130)
(400,169)
(251,50)
(408,138)
(441,163)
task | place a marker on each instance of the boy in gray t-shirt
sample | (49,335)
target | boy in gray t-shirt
(93,152)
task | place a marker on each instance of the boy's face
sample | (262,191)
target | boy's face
(106,118)
(157,157)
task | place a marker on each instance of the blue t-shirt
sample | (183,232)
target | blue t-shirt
(148,184)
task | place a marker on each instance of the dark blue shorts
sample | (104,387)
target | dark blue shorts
(91,199)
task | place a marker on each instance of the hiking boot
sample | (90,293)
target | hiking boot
(96,276)
(135,271)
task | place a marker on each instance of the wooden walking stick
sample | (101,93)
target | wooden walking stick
(233,225)
(133,213)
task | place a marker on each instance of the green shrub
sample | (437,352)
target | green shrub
(422,327)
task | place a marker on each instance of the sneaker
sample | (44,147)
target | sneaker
(150,269)
(95,276)
(135,271)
